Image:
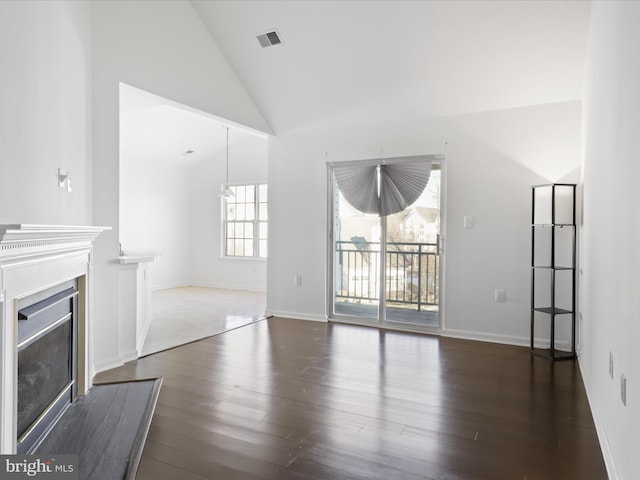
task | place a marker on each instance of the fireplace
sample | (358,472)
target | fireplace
(45,336)
(47,361)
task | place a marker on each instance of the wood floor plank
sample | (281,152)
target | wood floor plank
(287,399)
(152,469)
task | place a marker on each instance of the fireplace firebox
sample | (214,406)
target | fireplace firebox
(47,361)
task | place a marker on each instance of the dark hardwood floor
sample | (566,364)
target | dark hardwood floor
(289,399)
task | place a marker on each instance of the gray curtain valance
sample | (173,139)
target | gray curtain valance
(383,189)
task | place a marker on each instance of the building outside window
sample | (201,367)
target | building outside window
(245,221)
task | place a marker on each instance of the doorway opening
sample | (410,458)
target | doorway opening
(175,163)
(386,270)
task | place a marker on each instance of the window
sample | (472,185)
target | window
(245,221)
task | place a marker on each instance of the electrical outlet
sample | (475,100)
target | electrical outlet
(623,389)
(297,280)
(500,295)
(611,364)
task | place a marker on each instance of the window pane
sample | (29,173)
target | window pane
(240,212)
(240,193)
(239,247)
(248,248)
(250,196)
(231,211)
(246,218)
(250,211)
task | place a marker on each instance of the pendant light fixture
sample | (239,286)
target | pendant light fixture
(225,191)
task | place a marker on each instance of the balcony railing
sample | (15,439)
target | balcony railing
(412,273)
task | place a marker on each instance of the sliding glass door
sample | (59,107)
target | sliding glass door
(357,261)
(386,268)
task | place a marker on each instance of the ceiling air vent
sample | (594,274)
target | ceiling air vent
(269,39)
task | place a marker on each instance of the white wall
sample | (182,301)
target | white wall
(156,216)
(45,117)
(162,48)
(169,204)
(247,164)
(493,159)
(610,234)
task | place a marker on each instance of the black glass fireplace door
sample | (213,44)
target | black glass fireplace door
(47,365)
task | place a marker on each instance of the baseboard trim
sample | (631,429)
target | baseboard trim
(296,315)
(210,285)
(143,334)
(107,364)
(486,337)
(128,355)
(169,285)
(230,287)
(502,339)
(605,446)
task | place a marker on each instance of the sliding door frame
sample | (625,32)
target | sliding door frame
(332,192)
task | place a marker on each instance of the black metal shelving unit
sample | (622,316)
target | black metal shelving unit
(553,268)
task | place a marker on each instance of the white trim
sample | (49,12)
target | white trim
(243,259)
(514,340)
(296,315)
(211,285)
(487,337)
(108,364)
(143,334)
(227,286)
(128,355)
(605,445)
(165,286)
(442,261)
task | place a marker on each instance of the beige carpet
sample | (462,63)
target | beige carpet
(186,314)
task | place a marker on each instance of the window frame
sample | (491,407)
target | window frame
(257,241)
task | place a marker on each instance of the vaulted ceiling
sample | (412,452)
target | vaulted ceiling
(352,60)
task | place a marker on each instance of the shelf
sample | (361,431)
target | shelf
(554,354)
(553,250)
(549,310)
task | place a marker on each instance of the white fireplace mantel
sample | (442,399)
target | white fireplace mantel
(34,258)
